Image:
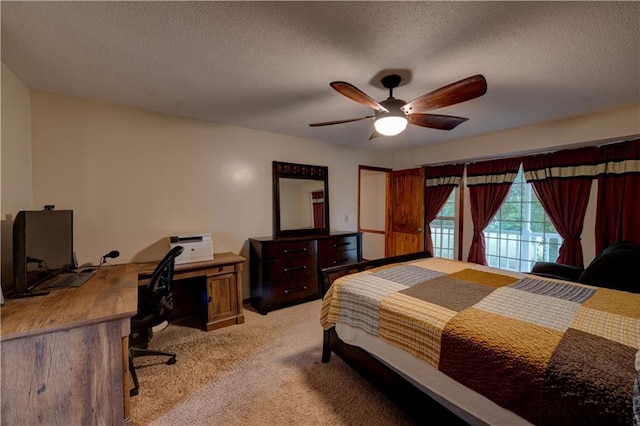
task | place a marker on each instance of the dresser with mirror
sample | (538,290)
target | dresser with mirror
(285,265)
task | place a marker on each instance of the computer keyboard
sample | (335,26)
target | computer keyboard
(71,279)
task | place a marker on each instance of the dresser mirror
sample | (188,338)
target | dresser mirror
(300,199)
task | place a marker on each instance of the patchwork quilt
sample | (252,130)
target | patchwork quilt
(553,352)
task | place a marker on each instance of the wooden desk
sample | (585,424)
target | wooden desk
(65,354)
(223,277)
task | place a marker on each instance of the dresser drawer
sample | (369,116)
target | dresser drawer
(287,249)
(293,290)
(289,269)
(331,245)
(336,258)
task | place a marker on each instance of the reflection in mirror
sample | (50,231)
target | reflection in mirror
(301,204)
(300,199)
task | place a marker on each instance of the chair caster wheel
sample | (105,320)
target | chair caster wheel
(171,361)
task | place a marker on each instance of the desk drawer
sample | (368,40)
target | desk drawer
(221,270)
(289,249)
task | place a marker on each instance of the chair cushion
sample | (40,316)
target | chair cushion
(557,271)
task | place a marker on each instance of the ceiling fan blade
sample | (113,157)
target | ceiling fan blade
(454,93)
(353,93)
(374,135)
(436,121)
(348,120)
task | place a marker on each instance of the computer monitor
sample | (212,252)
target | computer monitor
(42,247)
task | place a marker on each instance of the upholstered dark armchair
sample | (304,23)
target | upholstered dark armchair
(615,267)
(155,303)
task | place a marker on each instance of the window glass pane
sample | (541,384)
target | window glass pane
(443,229)
(494,226)
(448,210)
(521,232)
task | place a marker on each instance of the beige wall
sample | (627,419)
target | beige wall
(16,162)
(536,138)
(133,177)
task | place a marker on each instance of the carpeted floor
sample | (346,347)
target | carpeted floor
(266,371)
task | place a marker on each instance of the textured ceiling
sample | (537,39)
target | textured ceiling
(267,65)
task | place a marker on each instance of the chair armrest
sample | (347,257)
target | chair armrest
(557,270)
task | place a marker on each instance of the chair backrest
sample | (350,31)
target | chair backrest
(615,267)
(159,287)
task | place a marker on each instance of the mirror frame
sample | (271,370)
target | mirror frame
(298,171)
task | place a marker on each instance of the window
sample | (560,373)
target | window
(521,233)
(443,228)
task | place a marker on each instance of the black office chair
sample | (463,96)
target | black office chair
(155,303)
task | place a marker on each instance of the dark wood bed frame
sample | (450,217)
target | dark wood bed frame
(422,408)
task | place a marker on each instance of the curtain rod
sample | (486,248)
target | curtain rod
(596,143)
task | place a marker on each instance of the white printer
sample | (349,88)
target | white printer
(197,247)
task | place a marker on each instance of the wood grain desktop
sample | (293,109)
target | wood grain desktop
(65,354)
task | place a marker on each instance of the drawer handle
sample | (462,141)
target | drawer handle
(295,268)
(348,243)
(293,290)
(295,250)
(345,260)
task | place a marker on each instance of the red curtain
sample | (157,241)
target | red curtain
(618,208)
(562,182)
(489,183)
(439,182)
(317,199)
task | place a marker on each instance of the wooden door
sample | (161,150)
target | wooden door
(405,212)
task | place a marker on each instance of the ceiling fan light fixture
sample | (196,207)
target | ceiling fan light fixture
(390,125)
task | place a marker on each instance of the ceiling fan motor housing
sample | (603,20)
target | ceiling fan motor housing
(393,105)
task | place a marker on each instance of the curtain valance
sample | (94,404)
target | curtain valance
(615,159)
(493,172)
(317,197)
(445,175)
(620,158)
(571,163)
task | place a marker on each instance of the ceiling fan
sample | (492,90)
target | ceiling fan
(392,115)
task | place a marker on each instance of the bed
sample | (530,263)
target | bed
(483,345)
